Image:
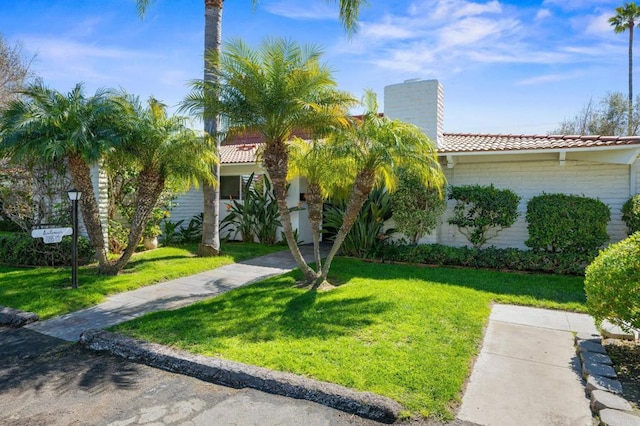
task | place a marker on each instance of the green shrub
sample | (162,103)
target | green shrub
(612,283)
(480,210)
(567,223)
(367,236)
(631,214)
(491,258)
(20,249)
(416,208)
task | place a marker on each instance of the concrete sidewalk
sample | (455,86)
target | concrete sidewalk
(168,295)
(528,372)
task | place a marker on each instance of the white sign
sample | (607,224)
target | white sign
(51,235)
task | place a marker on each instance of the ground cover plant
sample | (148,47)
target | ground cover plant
(46,291)
(401,331)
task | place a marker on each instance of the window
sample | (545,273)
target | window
(229,187)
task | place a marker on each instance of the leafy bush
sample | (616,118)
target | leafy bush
(416,209)
(491,257)
(367,236)
(192,233)
(631,213)
(171,232)
(118,237)
(480,210)
(19,249)
(256,216)
(567,223)
(611,283)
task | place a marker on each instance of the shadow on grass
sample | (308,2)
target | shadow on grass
(266,311)
(556,288)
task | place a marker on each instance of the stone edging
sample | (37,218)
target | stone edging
(601,384)
(15,317)
(238,375)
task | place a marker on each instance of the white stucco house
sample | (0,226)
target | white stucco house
(604,167)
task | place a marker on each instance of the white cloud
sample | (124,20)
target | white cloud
(547,78)
(599,24)
(542,14)
(63,49)
(470,31)
(311,9)
(387,31)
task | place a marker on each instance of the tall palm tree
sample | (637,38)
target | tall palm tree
(161,149)
(380,147)
(625,19)
(272,91)
(50,126)
(210,245)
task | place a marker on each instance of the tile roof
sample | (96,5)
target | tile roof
(238,153)
(466,142)
(243,149)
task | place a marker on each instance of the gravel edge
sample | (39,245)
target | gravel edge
(16,318)
(238,375)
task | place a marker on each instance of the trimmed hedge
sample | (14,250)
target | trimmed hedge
(631,214)
(612,283)
(20,249)
(481,210)
(491,258)
(567,223)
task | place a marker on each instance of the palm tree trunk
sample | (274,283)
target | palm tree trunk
(81,178)
(276,158)
(314,204)
(210,245)
(630,118)
(361,188)
(150,186)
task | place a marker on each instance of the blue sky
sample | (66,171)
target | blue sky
(506,66)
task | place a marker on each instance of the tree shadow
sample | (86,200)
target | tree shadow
(560,289)
(267,311)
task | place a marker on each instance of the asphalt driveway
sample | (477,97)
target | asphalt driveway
(47,381)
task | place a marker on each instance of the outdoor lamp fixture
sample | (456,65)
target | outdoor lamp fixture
(74,196)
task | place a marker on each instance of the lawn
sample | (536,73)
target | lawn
(47,291)
(405,332)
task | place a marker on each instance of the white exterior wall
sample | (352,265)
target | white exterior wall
(100,183)
(191,203)
(611,183)
(420,102)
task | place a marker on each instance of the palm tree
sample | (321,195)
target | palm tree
(161,149)
(349,10)
(625,19)
(380,147)
(326,175)
(49,126)
(272,91)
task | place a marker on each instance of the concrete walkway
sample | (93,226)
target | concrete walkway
(168,295)
(528,372)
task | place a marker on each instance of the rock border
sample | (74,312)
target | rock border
(238,375)
(16,318)
(602,385)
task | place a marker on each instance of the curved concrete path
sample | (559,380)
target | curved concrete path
(168,295)
(528,372)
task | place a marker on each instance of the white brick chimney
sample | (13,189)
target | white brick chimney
(419,102)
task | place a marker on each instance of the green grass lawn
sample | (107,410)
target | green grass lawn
(405,332)
(47,291)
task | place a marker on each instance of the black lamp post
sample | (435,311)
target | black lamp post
(74,196)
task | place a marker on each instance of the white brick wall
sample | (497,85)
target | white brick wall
(420,102)
(608,182)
